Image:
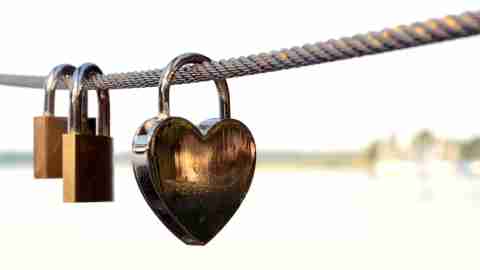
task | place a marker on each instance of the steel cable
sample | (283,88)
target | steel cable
(390,39)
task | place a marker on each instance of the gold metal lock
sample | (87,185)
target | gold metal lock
(193,178)
(48,128)
(87,158)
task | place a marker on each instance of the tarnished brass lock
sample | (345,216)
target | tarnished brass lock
(193,178)
(87,158)
(48,128)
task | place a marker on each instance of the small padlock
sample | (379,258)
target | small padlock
(87,158)
(48,128)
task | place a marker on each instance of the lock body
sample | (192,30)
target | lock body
(47,145)
(47,153)
(87,168)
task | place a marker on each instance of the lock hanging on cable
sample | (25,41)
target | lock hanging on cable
(87,158)
(193,178)
(48,128)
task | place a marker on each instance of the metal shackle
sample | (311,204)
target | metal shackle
(168,74)
(62,72)
(78,117)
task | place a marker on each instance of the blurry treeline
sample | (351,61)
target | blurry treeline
(426,155)
(423,146)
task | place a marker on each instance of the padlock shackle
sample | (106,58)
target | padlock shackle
(78,117)
(62,72)
(168,74)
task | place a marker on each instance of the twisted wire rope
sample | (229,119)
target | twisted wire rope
(390,39)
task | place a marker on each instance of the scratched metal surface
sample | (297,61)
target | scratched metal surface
(194,180)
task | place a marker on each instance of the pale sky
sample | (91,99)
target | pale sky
(341,105)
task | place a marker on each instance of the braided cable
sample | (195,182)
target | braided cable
(390,39)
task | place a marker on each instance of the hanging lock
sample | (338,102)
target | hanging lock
(193,178)
(87,158)
(48,128)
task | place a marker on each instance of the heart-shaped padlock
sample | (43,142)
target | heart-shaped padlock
(193,178)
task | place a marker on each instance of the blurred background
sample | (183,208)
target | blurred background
(371,162)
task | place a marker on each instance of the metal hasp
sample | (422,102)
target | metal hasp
(193,178)
(87,158)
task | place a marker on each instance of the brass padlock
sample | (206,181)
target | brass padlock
(87,158)
(48,129)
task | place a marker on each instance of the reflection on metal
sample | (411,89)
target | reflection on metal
(195,183)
